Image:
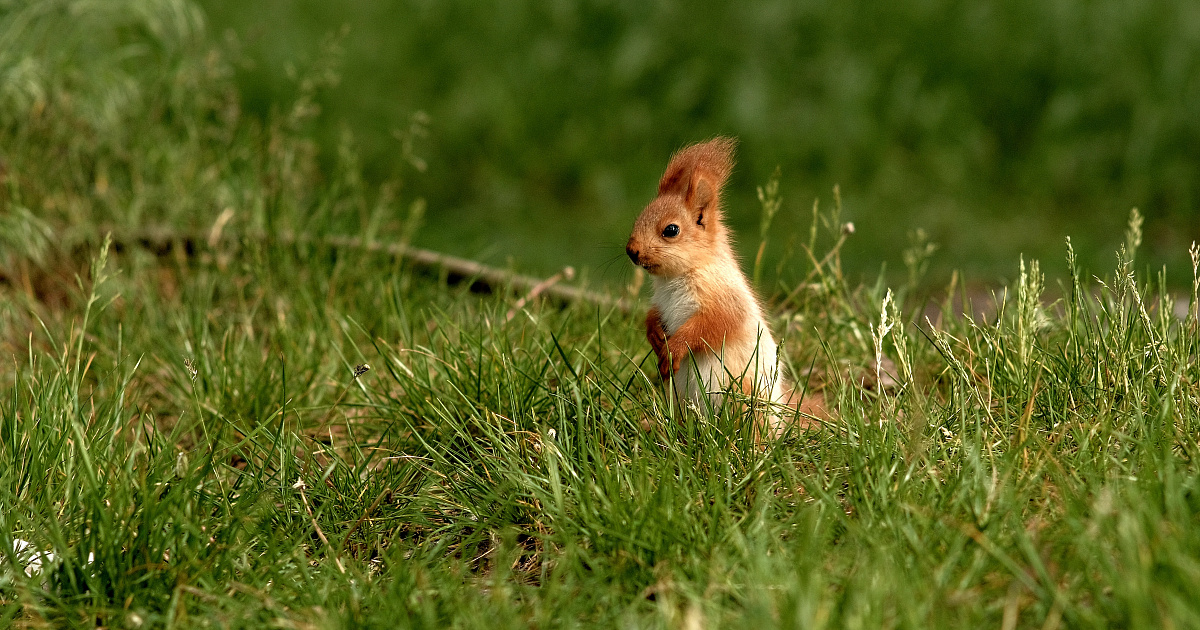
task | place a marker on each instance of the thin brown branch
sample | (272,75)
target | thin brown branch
(568,273)
(460,269)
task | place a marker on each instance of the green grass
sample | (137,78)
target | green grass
(184,430)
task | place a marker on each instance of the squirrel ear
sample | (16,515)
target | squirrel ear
(697,173)
(699,199)
(677,179)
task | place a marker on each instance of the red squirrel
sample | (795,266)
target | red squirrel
(703,306)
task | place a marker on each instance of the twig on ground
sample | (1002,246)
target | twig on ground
(460,269)
(568,273)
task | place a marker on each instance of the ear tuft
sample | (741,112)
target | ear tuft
(713,159)
(697,174)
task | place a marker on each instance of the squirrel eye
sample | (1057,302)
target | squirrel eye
(671,231)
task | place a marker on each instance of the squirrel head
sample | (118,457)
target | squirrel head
(681,229)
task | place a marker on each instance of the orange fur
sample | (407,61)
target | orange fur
(657,336)
(704,309)
(713,325)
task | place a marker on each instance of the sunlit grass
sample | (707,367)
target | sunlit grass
(239,432)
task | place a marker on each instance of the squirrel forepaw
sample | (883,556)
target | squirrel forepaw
(667,364)
(669,361)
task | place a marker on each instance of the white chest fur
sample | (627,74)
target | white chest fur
(752,356)
(675,301)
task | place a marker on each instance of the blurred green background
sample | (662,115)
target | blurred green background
(998,127)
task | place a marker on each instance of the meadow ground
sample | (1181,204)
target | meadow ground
(239,428)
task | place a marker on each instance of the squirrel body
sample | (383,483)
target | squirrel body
(706,325)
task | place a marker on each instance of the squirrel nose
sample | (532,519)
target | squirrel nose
(633,253)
